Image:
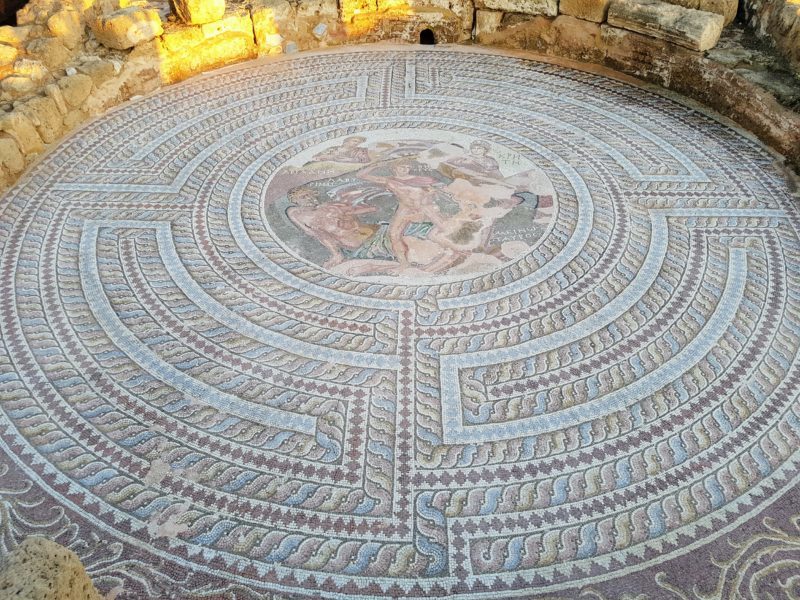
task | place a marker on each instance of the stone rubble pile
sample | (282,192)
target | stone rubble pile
(67,60)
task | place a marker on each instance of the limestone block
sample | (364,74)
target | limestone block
(67,24)
(45,116)
(233,22)
(589,10)
(210,53)
(318,9)
(18,86)
(529,7)
(34,69)
(142,71)
(34,12)
(693,29)
(76,88)
(11,159)
(127,27)
(20,127)
(51,51)
(74,118)
(178,38)
(463,9)
(42,570)
(273,20)
(99,70)
(53,92)
(487,22)
(8,54)
(726,8)
(198,12)
(14,36)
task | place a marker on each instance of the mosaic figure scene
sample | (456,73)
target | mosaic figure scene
(513,314)
(409,208)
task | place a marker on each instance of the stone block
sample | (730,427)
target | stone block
(67,25)
(463,9)
(53,92)
(8,54)
(35,69)
(14,36)
(76,88)
(527,7)
(50,51)
(74,118)
(198,12)
(234,22)
(318,9)
(18,86)
(127,27)
(726,8)
(35,12)
(589,10)
(20,127)
(211,53)
(487,22)
(11,157)
(693,29)
(42,570)
(178,38)
(273,20)
(99,70)
(45,116)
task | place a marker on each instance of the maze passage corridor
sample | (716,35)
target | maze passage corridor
(405,323)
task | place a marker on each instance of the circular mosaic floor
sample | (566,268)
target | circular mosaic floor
(404,323)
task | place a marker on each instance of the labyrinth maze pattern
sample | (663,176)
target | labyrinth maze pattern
(200,412)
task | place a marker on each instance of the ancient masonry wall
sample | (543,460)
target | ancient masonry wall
(779,22)
(68,60)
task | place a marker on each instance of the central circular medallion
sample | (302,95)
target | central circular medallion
(421,205)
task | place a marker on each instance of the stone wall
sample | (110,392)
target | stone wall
(70,59)
(779,22)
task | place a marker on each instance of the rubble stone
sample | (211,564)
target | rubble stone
(75,88)
(51,51)
(20,127)
(43,570)
(127,27)
(67,24)
(14,36)
(8,54)
(45,116)
(11,159)
(99,70)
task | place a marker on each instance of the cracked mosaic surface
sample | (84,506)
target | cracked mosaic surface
(404,323)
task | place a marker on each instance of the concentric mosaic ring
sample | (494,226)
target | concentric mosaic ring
(401,323)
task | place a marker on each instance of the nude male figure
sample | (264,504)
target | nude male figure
(415,195)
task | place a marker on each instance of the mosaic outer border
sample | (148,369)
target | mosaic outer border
(671,215)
